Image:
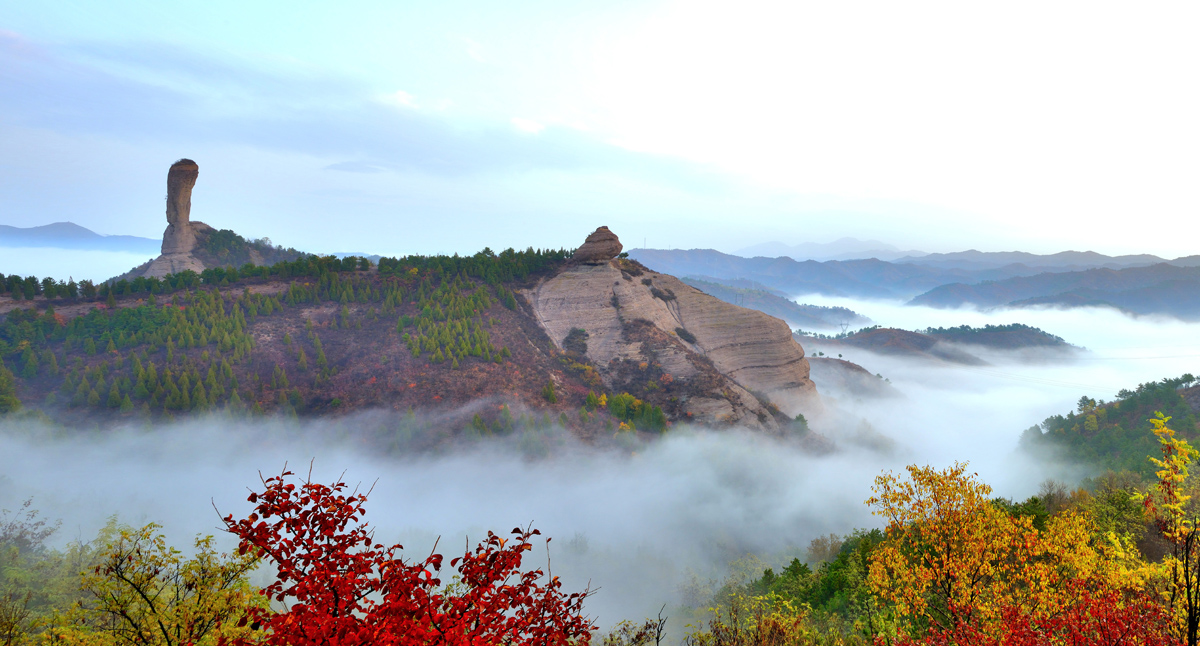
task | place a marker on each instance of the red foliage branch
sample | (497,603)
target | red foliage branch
(343,589)
(1097,618)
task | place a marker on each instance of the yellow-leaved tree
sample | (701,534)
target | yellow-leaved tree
(145,592)
(952,558)
(1176,516)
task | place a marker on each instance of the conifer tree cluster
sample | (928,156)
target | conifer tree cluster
(451,324)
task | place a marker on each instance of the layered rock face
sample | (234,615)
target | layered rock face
(180,238)
(738,358)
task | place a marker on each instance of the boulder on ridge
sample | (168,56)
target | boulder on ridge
(599,248)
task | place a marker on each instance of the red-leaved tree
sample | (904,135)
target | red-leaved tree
(340,588)
(1096,618)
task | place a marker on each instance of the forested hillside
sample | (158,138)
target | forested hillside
(1003,337)
(314,336)
(1117,435)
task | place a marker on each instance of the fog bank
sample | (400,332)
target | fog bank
(634,523)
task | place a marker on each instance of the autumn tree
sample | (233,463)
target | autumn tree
(1176,519)
(145,593)
(341,587)
(1091,618)
(951,558)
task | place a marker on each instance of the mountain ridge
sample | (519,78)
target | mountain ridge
(329,336)
(68,235)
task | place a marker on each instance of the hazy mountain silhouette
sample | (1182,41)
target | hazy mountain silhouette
(68,235)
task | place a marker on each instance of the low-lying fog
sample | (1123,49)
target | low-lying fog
(80,264)
(636,525)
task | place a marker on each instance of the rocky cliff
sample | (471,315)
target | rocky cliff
(744,366)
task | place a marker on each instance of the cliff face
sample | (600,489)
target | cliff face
(739,361)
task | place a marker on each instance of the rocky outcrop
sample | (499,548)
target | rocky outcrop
(741,362)
(599,248)
(180,238)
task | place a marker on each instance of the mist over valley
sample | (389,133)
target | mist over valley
(599,324)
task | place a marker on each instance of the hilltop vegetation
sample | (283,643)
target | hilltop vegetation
(1116,435)
(1005,337)
(223,248)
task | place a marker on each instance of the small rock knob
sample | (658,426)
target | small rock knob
(599,248)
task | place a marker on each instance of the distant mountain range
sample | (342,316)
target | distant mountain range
(1062,261)
(1139,284)
(68,235)
(1161,288)
(841,249)
(870,278)
(855,249)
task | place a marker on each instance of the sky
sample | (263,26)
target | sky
(402,127)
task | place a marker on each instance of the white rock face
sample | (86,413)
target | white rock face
(752,350)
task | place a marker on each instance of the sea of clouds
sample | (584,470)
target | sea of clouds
(634,523)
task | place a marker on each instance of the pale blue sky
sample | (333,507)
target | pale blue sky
(422,127)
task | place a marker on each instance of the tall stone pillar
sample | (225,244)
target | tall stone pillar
(179,236)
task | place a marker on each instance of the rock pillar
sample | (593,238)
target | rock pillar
(179,238)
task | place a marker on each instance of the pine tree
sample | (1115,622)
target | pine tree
(235,403)
(199,397)
(93,398)
(31,364)
(114,396)
(126,404)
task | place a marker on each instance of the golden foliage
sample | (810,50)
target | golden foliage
(144,592)
(952,558)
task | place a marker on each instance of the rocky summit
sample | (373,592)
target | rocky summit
(599,248)
(742,365)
